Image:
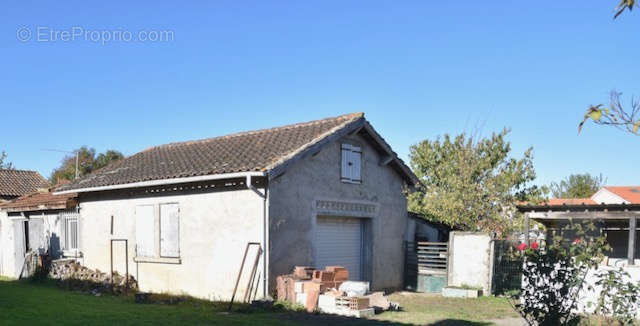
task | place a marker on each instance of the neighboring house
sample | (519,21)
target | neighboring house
(613,210)
(617,195)
(38,222)
(16,183)
(325,192)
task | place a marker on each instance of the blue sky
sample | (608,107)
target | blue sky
(417,69)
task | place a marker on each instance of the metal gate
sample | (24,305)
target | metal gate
(426,266)
(507,270)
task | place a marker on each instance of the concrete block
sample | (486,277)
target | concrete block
(431,283)
(326,302)
(456,292)
(301,299)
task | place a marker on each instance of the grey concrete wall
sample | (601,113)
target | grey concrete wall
(312,186)
(470,260)
(214,230)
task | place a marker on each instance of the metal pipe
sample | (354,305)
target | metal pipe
(244,258)
(265,226)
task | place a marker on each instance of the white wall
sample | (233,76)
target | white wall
(7,246)
(12,239)
(470,260)
(605,196)
(214,230)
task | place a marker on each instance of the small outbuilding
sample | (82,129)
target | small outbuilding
(325,192)
(37,224)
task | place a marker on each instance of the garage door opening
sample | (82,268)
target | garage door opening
(341,241)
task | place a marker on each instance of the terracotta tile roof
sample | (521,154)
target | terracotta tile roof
(570,201)
(628,193)
(260,150)
(40,201)
(20,182)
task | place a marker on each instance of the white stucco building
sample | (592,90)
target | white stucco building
(325,192)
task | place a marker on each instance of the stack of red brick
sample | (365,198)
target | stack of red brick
(307,284)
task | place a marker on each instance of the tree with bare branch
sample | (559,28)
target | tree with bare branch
(615,115)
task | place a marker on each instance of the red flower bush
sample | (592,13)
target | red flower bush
(535,245)
(522,246)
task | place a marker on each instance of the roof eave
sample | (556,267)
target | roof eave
(577,208)
(161,182)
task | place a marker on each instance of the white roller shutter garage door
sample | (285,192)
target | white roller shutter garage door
(339,242)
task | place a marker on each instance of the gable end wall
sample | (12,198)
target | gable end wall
(311,186)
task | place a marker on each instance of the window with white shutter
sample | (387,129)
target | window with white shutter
(351,163)
(145,231)
(169,230)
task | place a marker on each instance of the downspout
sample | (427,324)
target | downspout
(265,225)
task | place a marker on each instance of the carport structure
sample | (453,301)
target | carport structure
(614,220)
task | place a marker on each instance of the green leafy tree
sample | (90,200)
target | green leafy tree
(3,161)
(87,163)
(104,159)
(469,184)
(577,186)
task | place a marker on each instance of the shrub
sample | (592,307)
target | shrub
(554,275)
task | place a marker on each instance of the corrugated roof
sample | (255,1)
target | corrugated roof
(251,151)
(20,182)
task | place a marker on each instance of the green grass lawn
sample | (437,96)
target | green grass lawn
(423,309)
(25,303)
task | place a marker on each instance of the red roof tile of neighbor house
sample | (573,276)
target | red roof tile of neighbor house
(570,201)
(43,200)
(20,182)
(628,193)
(252,151)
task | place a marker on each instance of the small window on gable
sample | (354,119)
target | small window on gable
(351,164)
